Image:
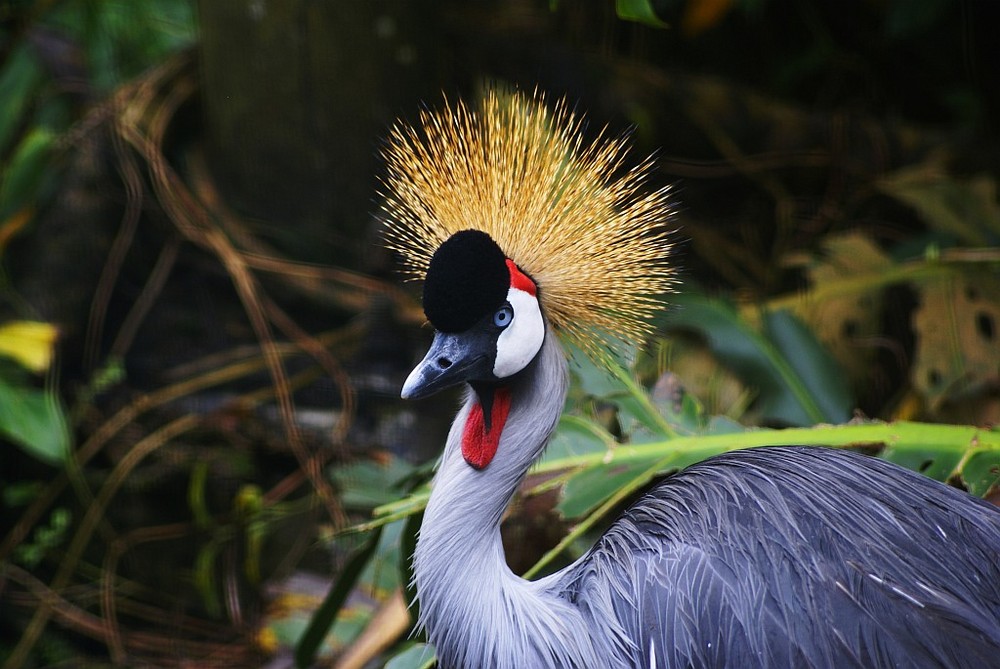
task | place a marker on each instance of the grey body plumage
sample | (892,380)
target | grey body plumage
(798,557)
(771,557)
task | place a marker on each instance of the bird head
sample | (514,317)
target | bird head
(485,312)
(507,214)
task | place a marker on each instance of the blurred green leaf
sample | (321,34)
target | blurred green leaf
(586,490)
(204,576)
(381,576)
(197,487)
(34,420)
(370,577)
(576,435)
(20,493)
(636,408)
(123,37)
(640,11)
(365,484)
(23,176)
(45,538)
(785,394)
(249,507)
(593,379)
(616,384)
(723,425)
(322,620)
(19,81)
(811,364)
(289,614)
(684,411)
(415,656)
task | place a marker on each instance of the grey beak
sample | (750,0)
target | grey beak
(452,359)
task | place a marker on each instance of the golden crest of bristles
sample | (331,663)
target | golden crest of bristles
(589,233)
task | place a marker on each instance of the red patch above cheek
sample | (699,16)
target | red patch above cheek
(520,280)
(479,442)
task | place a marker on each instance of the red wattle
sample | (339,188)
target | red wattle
(479,444)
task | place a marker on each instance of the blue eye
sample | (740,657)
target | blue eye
(503,316)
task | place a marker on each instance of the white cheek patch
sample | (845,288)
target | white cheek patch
(521,341)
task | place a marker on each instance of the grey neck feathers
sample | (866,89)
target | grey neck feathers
(476,612)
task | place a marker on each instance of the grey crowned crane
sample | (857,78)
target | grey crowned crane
(771,557)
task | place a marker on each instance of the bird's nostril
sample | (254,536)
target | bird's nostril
(444,363)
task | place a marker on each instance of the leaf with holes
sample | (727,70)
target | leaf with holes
(843,322)
(936,463)
(957,347)
(981,472)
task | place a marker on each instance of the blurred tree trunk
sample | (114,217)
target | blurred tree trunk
(296,95)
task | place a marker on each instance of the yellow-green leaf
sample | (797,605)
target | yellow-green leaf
(29,342)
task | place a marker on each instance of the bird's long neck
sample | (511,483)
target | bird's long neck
(475,610)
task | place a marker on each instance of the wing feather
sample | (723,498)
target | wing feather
(796,557)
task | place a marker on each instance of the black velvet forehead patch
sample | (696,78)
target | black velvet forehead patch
(467,279)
